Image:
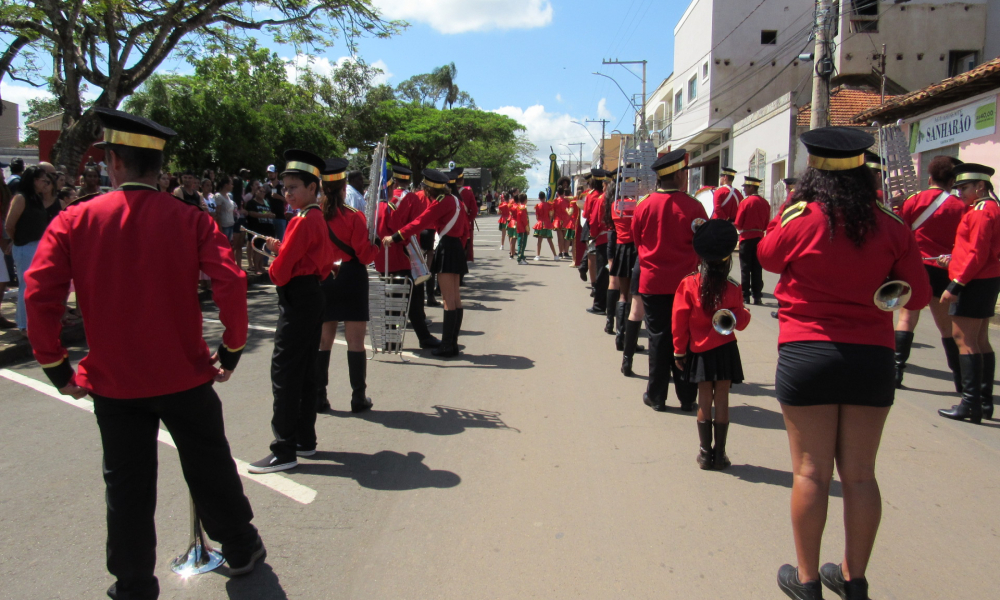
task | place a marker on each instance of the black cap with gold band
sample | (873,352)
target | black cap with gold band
(334,169)
(836,148)
(598,174)
(123,129)
(458,173)
(303,162)
(399,172)
(967,172)
(874,162)
(729,171)
(435,179)
(752,181)
(671,162)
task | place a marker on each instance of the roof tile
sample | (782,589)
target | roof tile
(845,104)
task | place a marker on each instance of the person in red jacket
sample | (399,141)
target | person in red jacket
(468,198)
(597,259)
(519,218)
(560,220)
(346,294)
(709,357)
(834,249)
(974,269)
(726,198)
(544,214)
(933,215)
(446,215)
(573,230)
(663,227)
(503,209)
(751,220)
(147,361)
(618,212)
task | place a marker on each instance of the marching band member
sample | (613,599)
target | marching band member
(512,205)
(874,162)
(708,357)
(444,213)
(519,216)
(560,217)
(752,218)
(974,270)
(503,210)
(147,360)
(305,258)
(544,215)
(790,183)
(597,261)
(618,216)
(662,229)
(346,293)
(933,215)
(468,198)
(573,228)
(726,198)
(834,249)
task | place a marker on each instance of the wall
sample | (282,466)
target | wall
(9,126)
(772,130)
(691,44)
(992,24)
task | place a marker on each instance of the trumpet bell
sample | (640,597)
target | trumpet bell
(893,295)
(724,321)
(418,267)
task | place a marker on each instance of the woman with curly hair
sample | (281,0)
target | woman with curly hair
(833,249)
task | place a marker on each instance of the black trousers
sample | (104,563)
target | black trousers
(416,314)
(659,316)
(751,273)
(293,365)
(129,429)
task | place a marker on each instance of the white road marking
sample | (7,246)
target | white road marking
(275,481)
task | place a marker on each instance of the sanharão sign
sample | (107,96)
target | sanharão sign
(960,125)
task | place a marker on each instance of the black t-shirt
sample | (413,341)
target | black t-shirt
(277,206)
(32,223)
(262,226)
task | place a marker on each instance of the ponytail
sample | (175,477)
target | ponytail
(714,278)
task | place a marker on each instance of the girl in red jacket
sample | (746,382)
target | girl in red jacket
(707,356)
(544,215)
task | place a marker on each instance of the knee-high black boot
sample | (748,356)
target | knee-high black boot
(951,354)
(610,307)
(418,320)
(357,367)
(449,335)
(430,283)
(971,407)
(705,458)
(719,452)
(621,313)
(986,391)
(904,339)
(459,315)
(628,351)
(322,379)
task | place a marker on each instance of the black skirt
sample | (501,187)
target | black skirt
(347,294)
(978,299)
(815,373)
(939,279)
(450,257)
(718,364)
(427,240)
(624,260)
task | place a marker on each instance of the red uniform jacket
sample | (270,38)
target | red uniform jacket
(726,200)
(439,213)
(936,236)
(144,325)
(752,217)
(468,198)
(351,228)
(662,230)
(519,216)
(827,286)
(559,216)
(593,211)
(306,250)
(404,207)
(977,244)
(544,214)
(504,211)
(622,211)
(692,324)
(572,215)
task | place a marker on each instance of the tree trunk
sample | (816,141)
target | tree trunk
(74,141)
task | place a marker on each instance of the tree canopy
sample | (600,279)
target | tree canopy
(438,85)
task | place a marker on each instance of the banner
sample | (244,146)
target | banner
(960,125)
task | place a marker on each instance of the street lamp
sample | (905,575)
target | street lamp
(630,102)
(588,131)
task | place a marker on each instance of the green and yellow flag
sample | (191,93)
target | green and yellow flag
(553,175)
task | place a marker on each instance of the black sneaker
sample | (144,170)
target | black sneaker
(359,407)
(240,565)
(301,451)
(272,463)
(788,581)
(832,577)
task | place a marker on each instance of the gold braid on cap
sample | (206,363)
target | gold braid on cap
(836,164)
(669,169)
(972,177)
(434,184)
(876,166)
(135,140)
(400,176)
(301,166)
(334,176)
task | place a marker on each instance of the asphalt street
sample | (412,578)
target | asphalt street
(526,468)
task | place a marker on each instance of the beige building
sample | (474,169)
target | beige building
(10,131)
(614,145)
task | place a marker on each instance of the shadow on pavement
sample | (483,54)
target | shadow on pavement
(261,584)
(480,361)
(755,474)
(754,416)
(446,421)
(748,388)
(932,373)
(385,470)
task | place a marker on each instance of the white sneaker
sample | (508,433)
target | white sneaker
(538,258)
(522,262)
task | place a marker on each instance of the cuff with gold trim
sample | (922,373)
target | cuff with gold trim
(397,238)
(955,288)
(679,356)
(228,359)
(60,373)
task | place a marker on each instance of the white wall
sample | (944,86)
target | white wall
(772,129)
(992,26)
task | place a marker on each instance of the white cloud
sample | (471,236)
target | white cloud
(462,16)
(602,109)
(558,97)
(545,130)
(322,66)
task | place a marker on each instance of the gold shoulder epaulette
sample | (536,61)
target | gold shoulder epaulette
(733,281)
(350,208)
(888,211)
(691,274)
(911,195)
(793,211)
(641,199)
(980,205)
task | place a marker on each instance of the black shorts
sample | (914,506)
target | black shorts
(939,279)
(978,299)
(624,260)
(815,373)
(427,240)
(450,257)
(347,294)
(634,286)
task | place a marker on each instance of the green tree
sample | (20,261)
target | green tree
(38,108)
(438,85)
(116,45)
(507,160)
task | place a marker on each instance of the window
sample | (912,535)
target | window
(960,61)
(724,157)
(758,163)
(678,102)
(692,89)
(704,70)
(768,37)
(864,16)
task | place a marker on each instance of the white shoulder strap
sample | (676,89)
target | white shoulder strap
(930,210)
(732,194)
(454,219)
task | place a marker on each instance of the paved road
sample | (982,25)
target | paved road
(528,468)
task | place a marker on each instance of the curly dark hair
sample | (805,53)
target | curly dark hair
(848,199)
(333,203)
(564,185)
(714,279)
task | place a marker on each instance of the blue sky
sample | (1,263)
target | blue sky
(529,59)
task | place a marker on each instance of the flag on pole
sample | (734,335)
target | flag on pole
(553,176)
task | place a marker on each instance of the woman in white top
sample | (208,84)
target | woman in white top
(225,208)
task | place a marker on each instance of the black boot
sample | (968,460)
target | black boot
(971,407)
(705,458)
(621,313)
(583,270)
(951,354)
(986,391)
(904,339)
(719,452)
(447,348)
(459,315)
(430,283)
(611,305)
(322,379)
(631,337)
(357,367)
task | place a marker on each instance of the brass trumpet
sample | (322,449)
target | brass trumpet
(254,236)
(724,321)
(893,295)
(418,267)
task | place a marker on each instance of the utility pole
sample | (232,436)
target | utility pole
(579,167)
(642,113)
(604,123)
(820,114)
(880,71)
